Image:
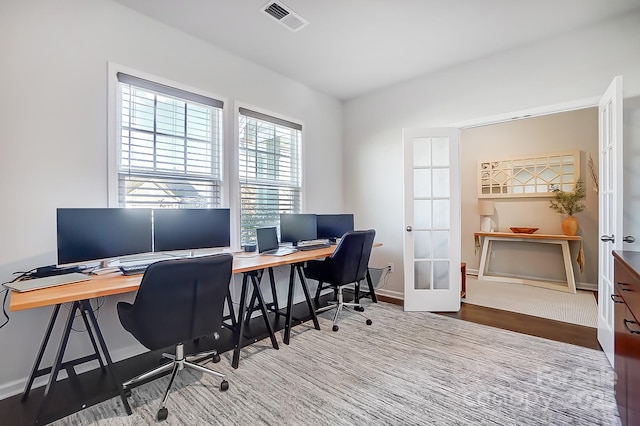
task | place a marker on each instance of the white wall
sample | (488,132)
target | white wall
(573,67)
(53,133)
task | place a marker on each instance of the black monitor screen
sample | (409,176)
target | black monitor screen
(267,239)
(188,229)
(98,234)
(297,227)
(334,225)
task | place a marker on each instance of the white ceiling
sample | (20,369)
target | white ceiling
(352,47)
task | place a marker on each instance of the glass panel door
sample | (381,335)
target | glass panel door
(432,220)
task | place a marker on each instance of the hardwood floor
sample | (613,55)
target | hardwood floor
(526,324)
(534,326)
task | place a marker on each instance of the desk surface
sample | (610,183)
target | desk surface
(533,236)
(116,283)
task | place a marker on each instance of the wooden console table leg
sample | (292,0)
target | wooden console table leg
(484,262)
(568,266)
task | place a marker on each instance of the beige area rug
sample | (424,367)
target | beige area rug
(579,308)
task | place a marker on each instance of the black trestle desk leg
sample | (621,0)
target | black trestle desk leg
(258,292)
(93,339)
(57,363)
(372,292)
(287,323)
(232,312)
(251,305)
(240,323)
(36,365)
(86,306)
(307,296)
(274,293)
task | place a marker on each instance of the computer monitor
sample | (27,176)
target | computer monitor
(297,227)
(91,234)
(334,226)
(190,229)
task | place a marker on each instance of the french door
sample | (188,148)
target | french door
(431,219)
(610,206)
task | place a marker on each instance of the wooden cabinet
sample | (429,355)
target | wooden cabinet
(627,335)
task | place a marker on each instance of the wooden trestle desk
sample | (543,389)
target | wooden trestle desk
(79,294)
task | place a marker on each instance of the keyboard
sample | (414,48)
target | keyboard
(313,246)
(140,265)
(133,269)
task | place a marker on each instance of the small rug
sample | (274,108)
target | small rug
(579,308)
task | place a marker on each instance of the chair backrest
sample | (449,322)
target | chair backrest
(179,300)
(350,259)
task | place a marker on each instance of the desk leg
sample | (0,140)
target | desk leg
(232,313)
(307,296)
(36,365)
(93,339)
(484,256)
(263,309)
(287,323)
(372,292)
(240,323)
(57,363)
(274,293)
(86,307)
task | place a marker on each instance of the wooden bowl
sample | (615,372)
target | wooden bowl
(524,230)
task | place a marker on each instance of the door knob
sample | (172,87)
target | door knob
(409,229)
(606,238)
(629,239)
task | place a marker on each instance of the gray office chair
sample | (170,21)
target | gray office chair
(347,265)
(178,301)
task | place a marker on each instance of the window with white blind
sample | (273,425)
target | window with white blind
(269,170)
(170,146)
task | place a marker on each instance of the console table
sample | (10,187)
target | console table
(488,238)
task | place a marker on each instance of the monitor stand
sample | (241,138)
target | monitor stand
(104,268)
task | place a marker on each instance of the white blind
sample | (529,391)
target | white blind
(170,146)
(269,170)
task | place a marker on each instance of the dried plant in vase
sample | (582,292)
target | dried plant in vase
(569,203)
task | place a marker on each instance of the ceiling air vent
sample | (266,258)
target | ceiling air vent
(284,15)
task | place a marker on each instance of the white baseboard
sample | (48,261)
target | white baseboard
(16,387)
(390,293)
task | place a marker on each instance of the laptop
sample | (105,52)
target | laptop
(268,242)
(52,281)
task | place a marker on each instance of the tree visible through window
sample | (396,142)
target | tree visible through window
(269,170)
(170,146)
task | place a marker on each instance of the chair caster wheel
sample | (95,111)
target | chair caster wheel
(163,413)
(369,322)
(127,393)
(358,308)
(224,386)
(216,358)
(335,328)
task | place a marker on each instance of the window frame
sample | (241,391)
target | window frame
(237,196)
(114,127)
